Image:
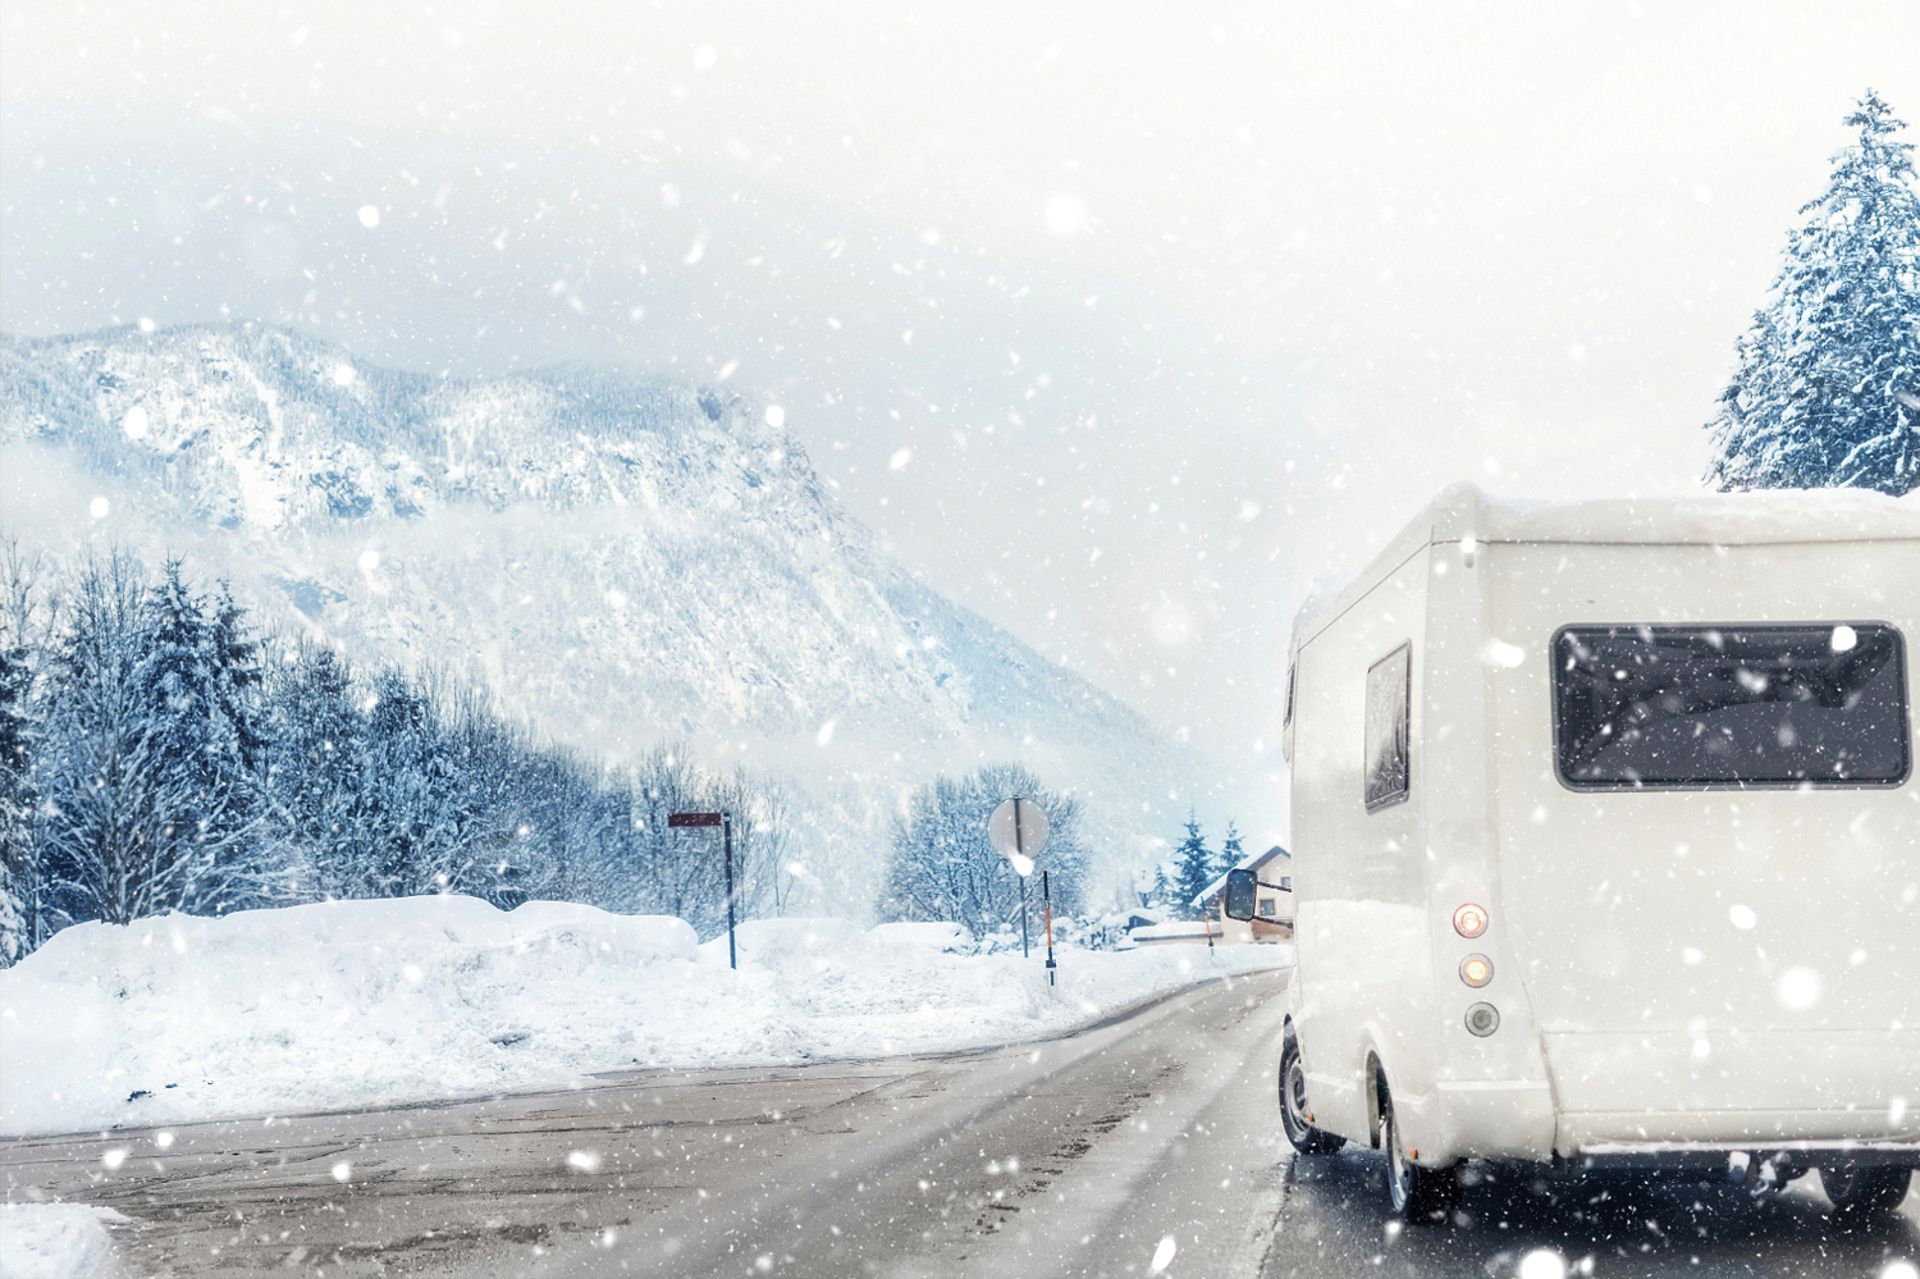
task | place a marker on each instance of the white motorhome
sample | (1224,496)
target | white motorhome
(1607,844)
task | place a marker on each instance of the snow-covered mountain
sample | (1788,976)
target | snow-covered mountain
(622,561)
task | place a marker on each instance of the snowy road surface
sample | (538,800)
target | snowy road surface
(1081,1156)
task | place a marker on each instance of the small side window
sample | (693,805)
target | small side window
(1389,735)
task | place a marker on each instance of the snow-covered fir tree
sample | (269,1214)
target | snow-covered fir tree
(16,800)
(1232,851)
(1826,392)
(199,684)
(405,778)
(1193,870)
(23,628)
(103,786)
(315,737)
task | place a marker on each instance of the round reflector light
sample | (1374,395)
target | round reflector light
(1483,1020)
(1470,920)
(1476,970)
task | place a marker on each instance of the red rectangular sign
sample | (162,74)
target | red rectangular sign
(693,819)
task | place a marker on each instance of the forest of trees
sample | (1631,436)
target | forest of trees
(1826,392)
(157,753)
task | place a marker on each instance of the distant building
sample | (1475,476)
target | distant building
(1273,903)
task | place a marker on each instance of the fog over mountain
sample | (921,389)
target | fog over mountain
(621,561)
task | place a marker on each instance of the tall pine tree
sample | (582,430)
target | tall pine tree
(102,779)
(317,809)
(1827,388)
(199,679)
(1192,871)
(17,869)
(1232,852)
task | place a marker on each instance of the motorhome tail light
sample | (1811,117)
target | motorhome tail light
(1476,970)
(1470,921)
(1483,1020)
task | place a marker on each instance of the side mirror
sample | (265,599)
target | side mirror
(1242,895)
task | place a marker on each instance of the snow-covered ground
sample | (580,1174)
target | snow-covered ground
(56,1241)
(343,1004)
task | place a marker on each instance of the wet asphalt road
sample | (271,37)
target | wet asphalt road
(1150,1137)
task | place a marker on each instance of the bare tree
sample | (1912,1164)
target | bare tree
(940,865)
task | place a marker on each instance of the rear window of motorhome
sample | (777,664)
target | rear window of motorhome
(1388,735)
(1707,706)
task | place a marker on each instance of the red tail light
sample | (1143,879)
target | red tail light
(1470,920)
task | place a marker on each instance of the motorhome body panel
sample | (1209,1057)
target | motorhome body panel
(1705,964)
(1363,985)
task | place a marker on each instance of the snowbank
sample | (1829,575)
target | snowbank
(56,1241)
(345,1004)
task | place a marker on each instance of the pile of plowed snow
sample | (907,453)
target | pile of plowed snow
(348,1004)
(57,1241)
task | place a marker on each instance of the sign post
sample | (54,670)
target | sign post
(1046,891)
(1023,918)
(1018,830)
(724,820)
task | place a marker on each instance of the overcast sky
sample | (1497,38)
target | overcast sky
(1120,322)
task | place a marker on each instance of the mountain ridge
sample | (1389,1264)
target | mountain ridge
(620,559)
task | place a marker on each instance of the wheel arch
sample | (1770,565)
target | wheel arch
(1374,1084)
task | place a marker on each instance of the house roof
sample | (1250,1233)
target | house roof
(1254,863)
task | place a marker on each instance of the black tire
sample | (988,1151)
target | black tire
(1865,1192)
(1416,1193)
(1301,1134)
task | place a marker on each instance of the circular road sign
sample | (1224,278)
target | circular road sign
(1018,831)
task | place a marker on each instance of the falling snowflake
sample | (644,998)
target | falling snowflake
(1799,989)
(1542,1263)
(1499,653)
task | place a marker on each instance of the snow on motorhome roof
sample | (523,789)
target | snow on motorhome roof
(1719,519)
(1463,513)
